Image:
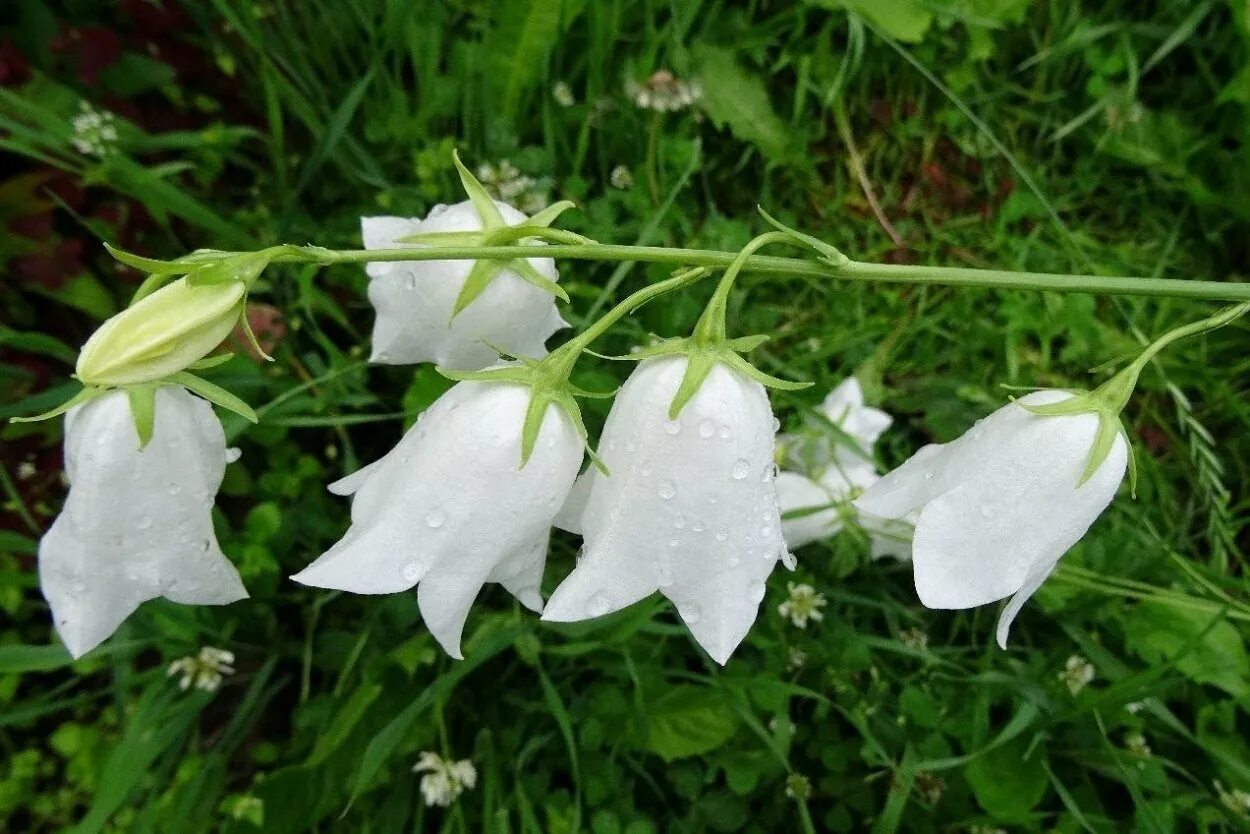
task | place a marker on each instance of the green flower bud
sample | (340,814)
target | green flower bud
(161,334)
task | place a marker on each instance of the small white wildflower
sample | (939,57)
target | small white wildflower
(804,604)
(930,786)
(204,670)
(26,470)
(796,659)
(506,182)
(798,786)
(1134,707)
(664,92)
(914,638)
(621,178)
(444,780)
(95,131)
(1077,673)
(1237,801)
(563,94)
(1136,744)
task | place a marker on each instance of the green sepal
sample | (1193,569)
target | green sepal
(246,268)
(1108,430)
(444,238)
(479,278)
(699,364)
(85,394)
(214,394)
(1081,402)
(526,270)
(1132,463)
(143,410)
(210,361)
(251,334)
(548,215)
(746,344)
(767,380)
(668,347)
(487,211)
(592,395)
(510,374)
(829,253)
(150,265)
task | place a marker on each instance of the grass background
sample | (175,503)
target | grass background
(1106,137)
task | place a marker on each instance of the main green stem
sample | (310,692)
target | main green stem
(852,271)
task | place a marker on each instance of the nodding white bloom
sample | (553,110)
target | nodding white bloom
(137,523)
(451,507)
(1000,505)
(688,508)
(444,780)
(416,300)
(840,466)
(204,670)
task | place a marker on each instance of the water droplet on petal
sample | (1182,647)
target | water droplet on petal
(987,512)
(766,530)
(690,612)
(674,542)
(680,522)
(928,476)
(706,429)
(233,454)
(435,518)
(411,571)
(697,526)
(725,433)
(598,604)
(667,489)
(742,468)
(734,559)
(144,522)
(672,426)
(788,559)
(776,425)
(174,489)
(770,472)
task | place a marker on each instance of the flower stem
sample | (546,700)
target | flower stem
(799,267)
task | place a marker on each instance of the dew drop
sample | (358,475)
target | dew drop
(928,476)
(174,489)
(734,559)
(770,472)
(598,604)
(144,523)
(697,526)
(673,426)
(706,429)
(776,425)
(667,489)
(725,433)
(741,469)
(674,542)
(766,530)
(435,519)
(233,454)
(690,612)
(411,571)
(679,522)
(722,536)
(987,512)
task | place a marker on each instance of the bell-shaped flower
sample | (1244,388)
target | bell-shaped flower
(834,462)
(458,503)
(687,506)
(137,523)
(459,313)
(997,507)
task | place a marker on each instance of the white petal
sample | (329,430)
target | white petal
(845,408)
(137,523)
(797,493)
(1036,576)
(889,538)
(348,484)
(414,300)
(451,508)
(908,487)
(689,508)
(570,516)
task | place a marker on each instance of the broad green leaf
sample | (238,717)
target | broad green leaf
(525,34)
(688,721)
(903,20)
(737,100)
(1204,649)
(1006,783)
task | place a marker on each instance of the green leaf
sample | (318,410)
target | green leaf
(143,410)
(903,20)
(688,721)
(1009,780)
(214,394)
(526,33)
(739,101)
(1205,648)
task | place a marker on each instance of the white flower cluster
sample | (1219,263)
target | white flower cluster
(204,670)
(684,498)
(663,92)
(506,182)
(94,131)
(444,780)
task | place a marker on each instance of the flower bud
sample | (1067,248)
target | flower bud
(161,334)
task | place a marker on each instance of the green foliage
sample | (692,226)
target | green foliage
(1096,136)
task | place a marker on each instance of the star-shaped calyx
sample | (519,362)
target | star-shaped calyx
(495,231)
(709,344)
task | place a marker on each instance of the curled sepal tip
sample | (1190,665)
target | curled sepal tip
(827,252)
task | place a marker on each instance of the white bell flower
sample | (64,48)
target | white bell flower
(688,507)
(460,313)
(818,507)
(454,506)
(1000,505)
(137,522)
